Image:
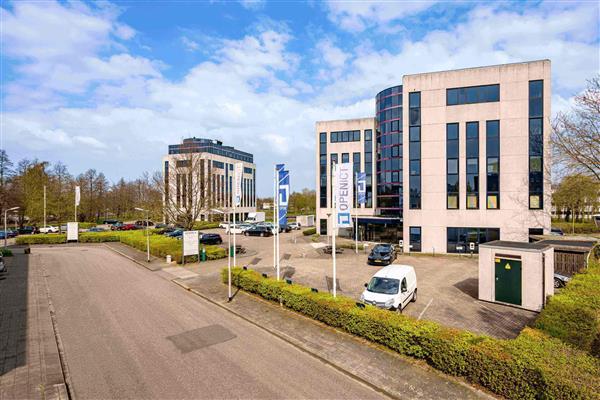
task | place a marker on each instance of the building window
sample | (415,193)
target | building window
(415,238)
(472,155)
(167,199)
(344,136)
(369,166)
(459,239)
(355,170)
(414,150)
(472,95)
(536,145)
(323,226)
(323,170)
(345,157)
(333,159)
(492,132)
(452,156)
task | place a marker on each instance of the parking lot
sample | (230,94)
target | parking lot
(447,284)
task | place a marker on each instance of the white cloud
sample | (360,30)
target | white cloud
(189,44)
(332,55)
(253,4)
(356,16)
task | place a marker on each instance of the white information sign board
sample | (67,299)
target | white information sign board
(72,231)
(190,243)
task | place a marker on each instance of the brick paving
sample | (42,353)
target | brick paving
(29,360)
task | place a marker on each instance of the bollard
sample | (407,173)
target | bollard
(168,259)
(231,250)
(203,254)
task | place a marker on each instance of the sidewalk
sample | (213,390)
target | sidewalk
(395,375)
(29,360)
(137,256)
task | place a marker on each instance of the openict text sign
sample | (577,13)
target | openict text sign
(344,194)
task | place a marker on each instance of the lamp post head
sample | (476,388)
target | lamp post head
(13,208)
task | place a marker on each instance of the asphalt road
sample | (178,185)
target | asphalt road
(128,333)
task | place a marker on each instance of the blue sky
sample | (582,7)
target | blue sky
(108,85)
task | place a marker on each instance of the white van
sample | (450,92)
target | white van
(391,287)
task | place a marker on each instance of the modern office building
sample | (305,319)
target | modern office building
(199,173)
(455,158)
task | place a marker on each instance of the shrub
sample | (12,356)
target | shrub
(6,253)
(160,246)
(580,227)
(573,315)
(531,366)
(309,231)
(350,245)
(205,225)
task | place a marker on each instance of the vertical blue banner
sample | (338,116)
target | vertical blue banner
(361,184)
(284,193)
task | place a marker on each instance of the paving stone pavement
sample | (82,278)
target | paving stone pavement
(29,359)
(396,375)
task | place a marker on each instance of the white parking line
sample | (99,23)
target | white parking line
(425,309)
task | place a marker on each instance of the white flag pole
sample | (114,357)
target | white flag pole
(356,214)
(275,210)
(277,225)
(334,225)
(229,254)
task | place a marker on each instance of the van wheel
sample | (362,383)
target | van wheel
(414,296)
(558,283)
(399,309)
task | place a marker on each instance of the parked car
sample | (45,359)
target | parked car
(392,287)
(49,229)
(560,280)
(116,226)
(329,250)
(556,232)
(210,238)
(177,234)
(294,225)
(382,254)
(285,228)
(142,223)
(224,225)
(2,264)
(160,226)
(258,230)
(127,227)
(110,221)
(9,234)
(97,229)
(165,230)
(238,229)
(28,230)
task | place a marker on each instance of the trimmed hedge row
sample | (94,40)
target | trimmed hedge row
(309,231)
(205,225)
(160,246)
(532,366)
(573,315)
(580,227)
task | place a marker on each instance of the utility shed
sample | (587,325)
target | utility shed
(516,273)
(570,256)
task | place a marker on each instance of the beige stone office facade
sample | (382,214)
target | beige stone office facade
(201,172)
(459,157)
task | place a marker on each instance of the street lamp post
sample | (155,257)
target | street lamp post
(5,230)
(228,251)
(147,233)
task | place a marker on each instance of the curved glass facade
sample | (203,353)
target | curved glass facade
(389,151)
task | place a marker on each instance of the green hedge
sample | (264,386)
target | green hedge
(205,225)
(573,315)
(309,231)
(6,252)
(160,245)
(532,366)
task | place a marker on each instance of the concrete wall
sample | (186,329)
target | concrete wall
(514,217)
(532,283)
(339,148)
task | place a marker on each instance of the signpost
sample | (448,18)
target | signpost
(77,200)
(238,173)
(283,190)
(191,244)
(72,231)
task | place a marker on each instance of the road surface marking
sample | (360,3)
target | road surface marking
(425,309)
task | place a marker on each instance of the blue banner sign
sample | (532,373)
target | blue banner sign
(361,185)
(284,195)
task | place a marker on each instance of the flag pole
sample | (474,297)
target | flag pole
(334,225)
(275,210)
(356,214)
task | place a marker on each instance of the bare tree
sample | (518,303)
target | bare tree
(188,189)
(576,135)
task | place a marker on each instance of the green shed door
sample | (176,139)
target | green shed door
(508,281)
